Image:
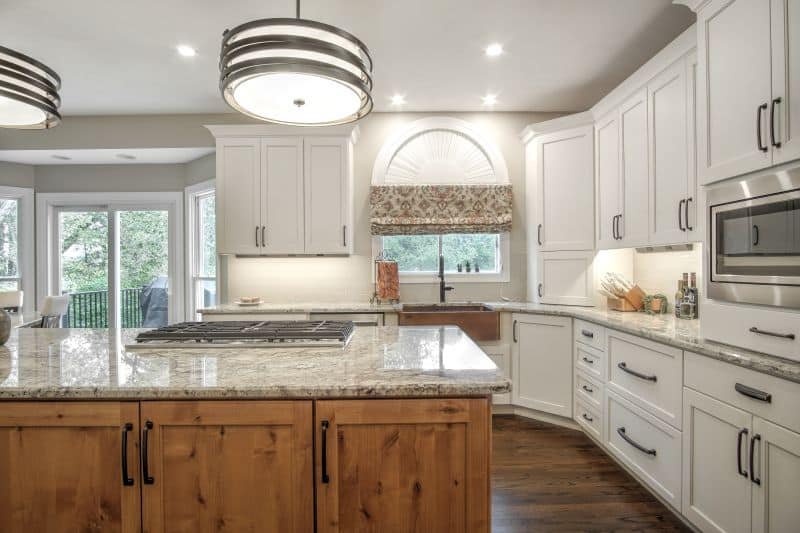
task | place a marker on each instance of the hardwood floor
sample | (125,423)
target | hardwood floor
(549,478)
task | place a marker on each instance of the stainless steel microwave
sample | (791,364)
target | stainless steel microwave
(754,235)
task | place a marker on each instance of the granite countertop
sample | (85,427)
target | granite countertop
(309,307)
(683,334)
(378,362)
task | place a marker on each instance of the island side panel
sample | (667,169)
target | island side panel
(403,465)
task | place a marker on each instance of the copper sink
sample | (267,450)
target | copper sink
(479,321)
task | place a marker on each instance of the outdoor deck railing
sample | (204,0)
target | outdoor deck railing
(89,309)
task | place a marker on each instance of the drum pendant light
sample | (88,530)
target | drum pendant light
(28,92)
(295,71)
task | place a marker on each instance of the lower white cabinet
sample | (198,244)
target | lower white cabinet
(777,467)
(565,278)
(542,363)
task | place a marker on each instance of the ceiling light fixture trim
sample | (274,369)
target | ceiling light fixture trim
(296,71)
(29,96)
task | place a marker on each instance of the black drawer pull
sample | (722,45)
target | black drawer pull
(753,477)
(789,336)
(739,438)
(759,144)
(587,333)
(755,394)
(146,477)
(587,360)
(514,331)
(624,367)
(587,389)
(126,481)
(324,444)
(776,144)
(587,417)
(626,438)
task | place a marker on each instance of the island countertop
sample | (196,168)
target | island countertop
(50,364)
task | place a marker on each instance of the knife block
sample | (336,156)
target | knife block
(633,300)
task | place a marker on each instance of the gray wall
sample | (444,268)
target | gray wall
(109,178)
(15,175)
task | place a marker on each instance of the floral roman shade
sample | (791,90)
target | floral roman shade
(437,209)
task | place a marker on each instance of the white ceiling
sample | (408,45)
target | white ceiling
(561,55)
(104,156)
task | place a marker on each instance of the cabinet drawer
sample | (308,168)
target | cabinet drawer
(718,379)
(590,418)
(648,446)
(590,334)
(647,373)
(590,360)
(589,390)
(732,325)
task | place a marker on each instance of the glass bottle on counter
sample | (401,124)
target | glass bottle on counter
(679,299)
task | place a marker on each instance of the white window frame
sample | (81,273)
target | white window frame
(503,276)
(191,194)
(25,243)
(47,270)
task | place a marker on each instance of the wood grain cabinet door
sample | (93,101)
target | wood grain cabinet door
(403,465)
(61,467)
(227,466)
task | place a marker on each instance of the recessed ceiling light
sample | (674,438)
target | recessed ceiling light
(398,99)
(127,157)
(490,99)
(494,49)
(185,50)
(61,157)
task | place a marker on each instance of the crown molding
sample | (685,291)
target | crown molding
(557,124)
(694,5)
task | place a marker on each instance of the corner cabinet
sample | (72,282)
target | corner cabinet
(283,194)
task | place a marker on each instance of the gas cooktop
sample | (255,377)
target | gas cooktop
(244,334)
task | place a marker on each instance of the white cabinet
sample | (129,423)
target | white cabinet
(607,161)
(283,195)
(238,201)
(565,278)
(328,188)
(542,363)
(748,72)
(564,185)
(632,225)
(777,465)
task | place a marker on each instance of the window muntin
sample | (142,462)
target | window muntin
(419,254)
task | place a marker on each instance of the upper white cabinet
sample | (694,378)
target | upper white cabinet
(564,175)
(283,194)
(607,153)
(632,224)
(565,278)
(747,80)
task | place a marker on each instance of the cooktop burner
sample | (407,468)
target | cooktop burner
(255,334)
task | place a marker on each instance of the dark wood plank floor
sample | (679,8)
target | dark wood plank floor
(549,478)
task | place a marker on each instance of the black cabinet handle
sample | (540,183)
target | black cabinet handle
(587,333)
(619,233)
(624,367)
(680,215)
(257,237)
(263,239)
(756,235)
(587,389)
(755,394)
(775,102)
(626,438)
(761,146)
(586,359)
(344,236)
(587,417)
(146,477)
(789,336)
(614,227)
(739,438)
(324,444)
(126,481)
(514,331)
(753,477)
(686,217)
(539,234)
(539,289)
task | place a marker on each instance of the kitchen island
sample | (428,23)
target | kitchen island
(391,432)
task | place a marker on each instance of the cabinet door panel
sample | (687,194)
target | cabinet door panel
(733,44)
(634,176)
(243,465)
(667,110)
(566,278)
(778,458)
(327,183)
(282,194)
(607,159)
(565,183)
(786,78)
(716,497)
(542,364)
(238,196)
(61,469)
(403,465)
